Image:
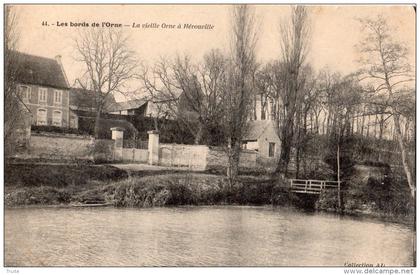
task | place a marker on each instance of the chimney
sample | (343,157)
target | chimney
(58,59)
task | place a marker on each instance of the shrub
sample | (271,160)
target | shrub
(59,175)
(103,151)
(56,129)
(45,195)
(328,200)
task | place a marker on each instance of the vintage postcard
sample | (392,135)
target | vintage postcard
(210,135)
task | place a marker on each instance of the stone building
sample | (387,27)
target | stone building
(261,136)
(44,89)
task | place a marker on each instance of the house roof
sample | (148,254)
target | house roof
(255,128)
(40,71)
(127,105)
(85,99)
(87,124)
(106,124)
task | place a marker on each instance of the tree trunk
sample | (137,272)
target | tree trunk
(338,160)
(406,130)
(381,126)
(362,126)
(98,122)
(368,126)
(297,161)
(328,121)
(233,161)
(199,135)
(286,144)
(404,156)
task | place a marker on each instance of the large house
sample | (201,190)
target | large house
(44,90)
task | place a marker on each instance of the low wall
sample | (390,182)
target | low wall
(217,158)
(193,156)
(70,147)
(135,155)
(61,146)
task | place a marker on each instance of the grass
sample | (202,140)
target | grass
(67,184)
(59,175)
(371,195)
(36,184)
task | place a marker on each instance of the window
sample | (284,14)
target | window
(41,117)
(57,118)
(57,96)
(25,93)
(42,95)
(271,149)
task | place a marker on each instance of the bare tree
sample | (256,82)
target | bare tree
(385,65)
(192,93)
(159,85)
(109,64)
(294,46)
(16,113)
(239,84)
(307,97)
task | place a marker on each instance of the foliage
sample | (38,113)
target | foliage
(88,124)
(56,129)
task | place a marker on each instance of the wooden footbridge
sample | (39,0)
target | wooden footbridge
(313,186)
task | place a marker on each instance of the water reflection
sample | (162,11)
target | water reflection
(209,236)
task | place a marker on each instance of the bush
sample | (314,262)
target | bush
(103,151)
(59,175)
(45,195)
(195,189)
(56,129)
(328,200)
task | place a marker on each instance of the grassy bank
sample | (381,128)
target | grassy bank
(379,196)
(152,190)
(37,184)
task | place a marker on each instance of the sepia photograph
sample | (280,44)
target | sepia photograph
(210,135)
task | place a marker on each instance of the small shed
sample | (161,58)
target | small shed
(261,136)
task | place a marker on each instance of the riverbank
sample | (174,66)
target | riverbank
(167,189)
(75,185)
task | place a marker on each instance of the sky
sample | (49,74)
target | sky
(334,31)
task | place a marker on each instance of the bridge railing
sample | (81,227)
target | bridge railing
(311,186)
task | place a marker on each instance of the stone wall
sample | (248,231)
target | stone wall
(135,155)
(70,147)
(217,158)
(53,146)
(193,156)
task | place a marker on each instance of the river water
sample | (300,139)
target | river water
(200,236)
